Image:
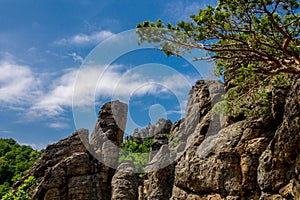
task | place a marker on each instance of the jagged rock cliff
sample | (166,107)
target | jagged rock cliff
(75,168)
(125,182)
(66,170)
(207,156)
(256,158)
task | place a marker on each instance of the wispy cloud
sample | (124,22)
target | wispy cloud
(88,84)
(18,84)
(76,57)
(36,146)
(59,95)
(58,125)
(85,39)
(21,89)
(5,131)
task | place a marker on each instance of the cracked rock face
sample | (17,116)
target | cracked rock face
(66,170)
(253,158)
(110,126)
(279,165)
(125,182)
(70,169)
(256,158)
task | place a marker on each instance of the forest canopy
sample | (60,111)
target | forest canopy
(15,160)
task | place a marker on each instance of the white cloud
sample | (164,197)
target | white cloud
(87,85)
(37,146)
(21,89)
(58,125)
(18,85)
(60,95)
(76,57)
(85,39)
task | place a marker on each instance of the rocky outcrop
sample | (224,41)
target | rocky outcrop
(279,165)
(76,177)
(161,131)
(57,152)
(106,139)
(144,133)
(66,170)
(125,182)
(162,171)
(203,156)
(255,158)
(212,167)
(160,178)
(250,159)
(110,126)
(73,168)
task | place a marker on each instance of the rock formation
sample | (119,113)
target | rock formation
(71,168)
(183,134)
(279,165)
(66,170)
(206,156)
(125,182)
(256,158)
(110,126)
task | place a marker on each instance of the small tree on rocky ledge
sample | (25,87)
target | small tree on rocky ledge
(254,44)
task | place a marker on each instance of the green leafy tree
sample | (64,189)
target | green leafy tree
(254,44)
(15,160)
(24,192)
(135,152)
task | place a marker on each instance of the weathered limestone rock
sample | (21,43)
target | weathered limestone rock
(253,158)
(160,171)
(279,165)
(66,170)
(223,164)
(139,135)
(57,152)
(161,176)
(256,136)
(198,117)
(213,167)
(161,129)
(107,138)
(69,182)
(125,182)
(69,169)
(110,126)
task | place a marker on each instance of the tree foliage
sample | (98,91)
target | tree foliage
(237,32)
(135,152)
(24,192)
(254,43)
(15,160)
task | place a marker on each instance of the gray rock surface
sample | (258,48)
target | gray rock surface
(161,131)
(71,168)
(110,126)
(125,182)
(204,157)
(279,165)
(66,170)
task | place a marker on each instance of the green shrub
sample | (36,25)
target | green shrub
(15,160)
(24,192)
(136,153)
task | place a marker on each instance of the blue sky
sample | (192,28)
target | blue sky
(44,45)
